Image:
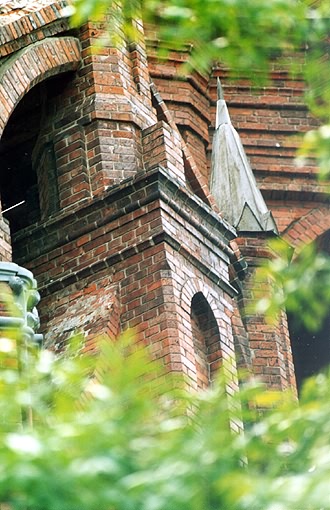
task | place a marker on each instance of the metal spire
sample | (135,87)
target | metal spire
(219,89)
(222,115)
(232,181)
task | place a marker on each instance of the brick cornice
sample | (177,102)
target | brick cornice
(119,201)
(114,258)
(155,192)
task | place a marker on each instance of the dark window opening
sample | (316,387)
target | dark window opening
(28,173)
(206,340)
(18,180)
(311,349)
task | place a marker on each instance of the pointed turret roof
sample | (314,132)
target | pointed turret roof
(233,184)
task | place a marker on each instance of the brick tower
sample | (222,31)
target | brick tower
(105,171)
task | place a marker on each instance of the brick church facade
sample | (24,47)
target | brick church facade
(105,185)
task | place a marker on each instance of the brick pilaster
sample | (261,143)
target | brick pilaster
(270,346)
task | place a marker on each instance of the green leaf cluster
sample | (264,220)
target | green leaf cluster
(241,34)
(113,431)
(316,144)
(301,286)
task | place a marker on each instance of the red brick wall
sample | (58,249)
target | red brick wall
(271,121)
(129,234)
(135,258)
(269,343)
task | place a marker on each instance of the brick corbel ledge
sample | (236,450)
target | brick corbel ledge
(158,187)
(32,65)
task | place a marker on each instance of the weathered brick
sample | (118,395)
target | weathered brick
(118,242)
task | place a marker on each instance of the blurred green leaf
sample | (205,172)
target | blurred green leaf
(316,144)
(300,286)
(122,435)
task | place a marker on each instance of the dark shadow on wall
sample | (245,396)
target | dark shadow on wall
(28,174)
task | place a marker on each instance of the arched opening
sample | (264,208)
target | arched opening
(18,179)
(206,340)
(311,350)
(28,174)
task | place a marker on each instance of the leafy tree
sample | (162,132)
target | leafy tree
(109,432)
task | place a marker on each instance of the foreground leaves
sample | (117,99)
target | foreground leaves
(215,30)
(300,286)
(110,431)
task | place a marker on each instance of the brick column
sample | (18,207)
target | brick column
(162,147)
(269,343)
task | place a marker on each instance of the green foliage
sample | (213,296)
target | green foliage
(241,34)
(109,431)
(301,286)
(112,431)
(316,144)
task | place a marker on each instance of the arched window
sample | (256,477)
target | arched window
(28,171)
(28,176)
(18,179)
(206,340)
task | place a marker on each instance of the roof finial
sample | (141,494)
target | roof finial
(232,182)
(219,89)
(222,115)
